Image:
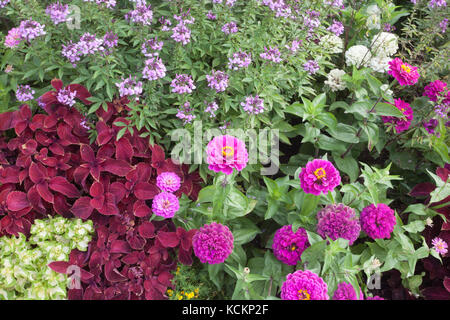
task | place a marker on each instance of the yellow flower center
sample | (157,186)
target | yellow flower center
(320,173)
(293,248)
(166,204)
(406,68)
(227,151)
(303,295)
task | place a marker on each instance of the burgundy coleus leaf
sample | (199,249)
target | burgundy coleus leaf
(135,240)
(9,175)
(61,206)
(112,274)
(36,200)
(147,230)
(8,120)
(140,209)
(38,174)
(168,239)
(442,173)
(185,237)
(94,164)
(29,147)
(109,206)
(124,150)
(185,257)
(98,193)
(118,167)
(81,92)
(447,283)
(145,191)
(18,201)
(23,119)
(104,133)
(65,134)
(57,84)
(69,268)
(82,208)
(120,246)
(422,189)
(61,185)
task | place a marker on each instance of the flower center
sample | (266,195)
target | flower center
(166,204)
(320,173)
(406,68)
(293,247)
(227,151)
(303,295)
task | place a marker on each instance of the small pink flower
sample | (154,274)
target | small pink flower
(440,246)
(165,205)
(319,176)
(226,153)
(405,74)
(378,221)
(168,181)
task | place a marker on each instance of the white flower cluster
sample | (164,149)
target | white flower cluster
(332,43)
(358,56)
(335,81)
(384,45)
(374,17)
(24,271)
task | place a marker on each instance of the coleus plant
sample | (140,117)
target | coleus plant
(52,166)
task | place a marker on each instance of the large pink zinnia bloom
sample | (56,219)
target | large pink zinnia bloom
(405,74)
(401,124)
(435,89)
(319,176)
(226,153)
(304,285)
(213,243)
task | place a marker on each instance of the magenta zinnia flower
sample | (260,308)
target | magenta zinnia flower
(338,221)
(435,89)
(400,123)
(304,285)
(345,291)
(213,243)
(165,204)
(378,221)
(226,153)
(319,176)
(288,246)
(168,181)
(405,74)
(374,298)
(440,246)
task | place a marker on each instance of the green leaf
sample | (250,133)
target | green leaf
(386,109)
(348,165)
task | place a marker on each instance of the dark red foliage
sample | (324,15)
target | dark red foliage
(436,282)
(51,168)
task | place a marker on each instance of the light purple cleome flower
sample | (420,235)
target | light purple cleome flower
(142,14)
(154,69)
(72,52)
(311,66)
(253,105)
(129,86)
(304,285)
(271,54)
(13,38)
(181,33)
(110,39)
(338,221)
(211,16)
(211,108)
(319,176)
(165,204)
(345,291)
(168,181)
(430,125)
(58,12)
(218,80)
(151,44)
(288,246)
(337,28)
(239,60)
(3,3)
(378,221)
(90,44)
(437,3)
(335,3)
(24,93)
(182,83)
(108,3)
(229,28)
(30,30)
(443,25)
(66,97)
(186,113)
(441,110)
(213,243)
(295,45)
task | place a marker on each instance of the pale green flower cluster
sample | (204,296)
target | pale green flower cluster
(24,271)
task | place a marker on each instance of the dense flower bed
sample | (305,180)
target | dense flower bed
(224,149)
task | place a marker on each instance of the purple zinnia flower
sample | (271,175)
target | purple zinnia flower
(288,246)
(24,93)
(165,204)
(440,246)
(218,80)
(66,97)
(378,221)
(230,27)
(213,243)
(271,54)
(253,105)
(58,12)
(304,285)
(311,66)
(338,221)
(182,83)
(405,74)
(154,69)
(436,89)
(319,176)
(129,86)
(345,291)
(168,181)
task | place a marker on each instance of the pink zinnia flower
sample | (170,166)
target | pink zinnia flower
(319,176)
(168,181)
(435,89)
(226,153)
(213,243)
(304,285)
(405,74)
(345,291)
(378,221)
(165,204)
(400,124)
(440,246)
(288,246)
(338,221)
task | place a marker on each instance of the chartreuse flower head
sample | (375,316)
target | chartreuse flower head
(24,271)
